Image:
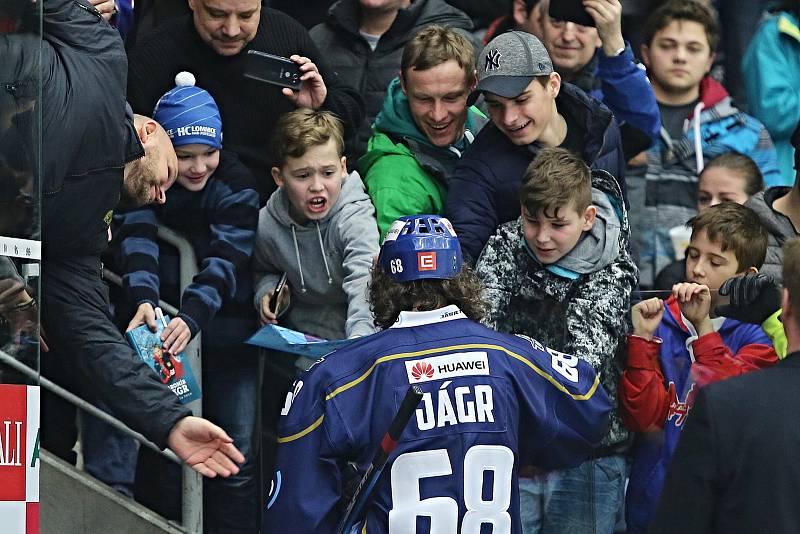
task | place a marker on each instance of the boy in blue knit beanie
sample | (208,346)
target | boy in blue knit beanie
(214,204)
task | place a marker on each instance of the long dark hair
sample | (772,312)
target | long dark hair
(388,298)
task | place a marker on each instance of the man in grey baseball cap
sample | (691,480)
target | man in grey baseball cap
(510,62)
(529,108)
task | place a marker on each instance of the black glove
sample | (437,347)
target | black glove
(754,297)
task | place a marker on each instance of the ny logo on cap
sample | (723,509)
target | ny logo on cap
(492,60)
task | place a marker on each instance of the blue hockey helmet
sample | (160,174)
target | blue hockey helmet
(420,246)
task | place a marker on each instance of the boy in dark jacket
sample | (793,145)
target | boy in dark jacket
(677,346)
(530,108)
(214,203)
(562,274)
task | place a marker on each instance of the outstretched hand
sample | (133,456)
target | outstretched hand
(204,447)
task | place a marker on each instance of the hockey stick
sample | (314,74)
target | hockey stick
(373,472)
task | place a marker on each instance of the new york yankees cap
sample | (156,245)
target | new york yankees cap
(508,64)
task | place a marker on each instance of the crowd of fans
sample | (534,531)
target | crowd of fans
(602,181)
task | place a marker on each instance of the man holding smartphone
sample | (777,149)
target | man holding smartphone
(213,45)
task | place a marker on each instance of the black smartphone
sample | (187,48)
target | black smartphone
(273,301)
(570,10)
(276,70)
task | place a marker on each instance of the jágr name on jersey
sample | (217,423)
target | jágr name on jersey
(448,366)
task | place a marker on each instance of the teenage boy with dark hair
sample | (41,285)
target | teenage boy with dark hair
(530,108)
(563,275)
(699,122)
(490,402)
(679,345)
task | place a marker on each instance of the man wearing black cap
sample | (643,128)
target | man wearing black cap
(530,108)
(779,210)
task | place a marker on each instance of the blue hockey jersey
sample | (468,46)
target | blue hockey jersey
(489,399)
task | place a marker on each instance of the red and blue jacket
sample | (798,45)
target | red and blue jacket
(658,388)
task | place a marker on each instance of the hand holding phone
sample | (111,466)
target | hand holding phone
(274,302)
(274,70)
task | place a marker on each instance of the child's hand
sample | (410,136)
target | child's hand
(646,316)
(265,314)
(176,336)
(694,301)
(145,314)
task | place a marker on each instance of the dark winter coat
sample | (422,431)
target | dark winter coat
(86,141)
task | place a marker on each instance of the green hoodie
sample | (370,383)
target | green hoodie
(403,172)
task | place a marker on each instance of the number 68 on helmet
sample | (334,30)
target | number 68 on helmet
(417,247)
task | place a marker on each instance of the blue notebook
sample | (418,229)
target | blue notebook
(173,370)
(287,340)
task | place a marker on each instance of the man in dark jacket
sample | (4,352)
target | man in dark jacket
(734,469)
(364,43)
(92,153)
(212,44)
(529,108)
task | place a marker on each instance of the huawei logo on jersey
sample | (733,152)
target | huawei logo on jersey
(422,368)
(447,366)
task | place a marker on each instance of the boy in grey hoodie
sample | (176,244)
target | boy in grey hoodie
(319,227)
(562,274)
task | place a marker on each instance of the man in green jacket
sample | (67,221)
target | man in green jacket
(424,127)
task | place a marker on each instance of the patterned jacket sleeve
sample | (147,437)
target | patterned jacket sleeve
(643,397)
(597,314)
(497,269)
(136,233)
(233,228)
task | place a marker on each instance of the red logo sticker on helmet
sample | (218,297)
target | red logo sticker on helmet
(426,261)
(422,368)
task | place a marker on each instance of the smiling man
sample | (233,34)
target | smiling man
(529,108)
(423,128)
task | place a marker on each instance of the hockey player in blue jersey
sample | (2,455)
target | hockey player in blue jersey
(489,398)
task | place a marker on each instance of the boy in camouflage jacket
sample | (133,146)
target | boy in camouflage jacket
(562,273)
